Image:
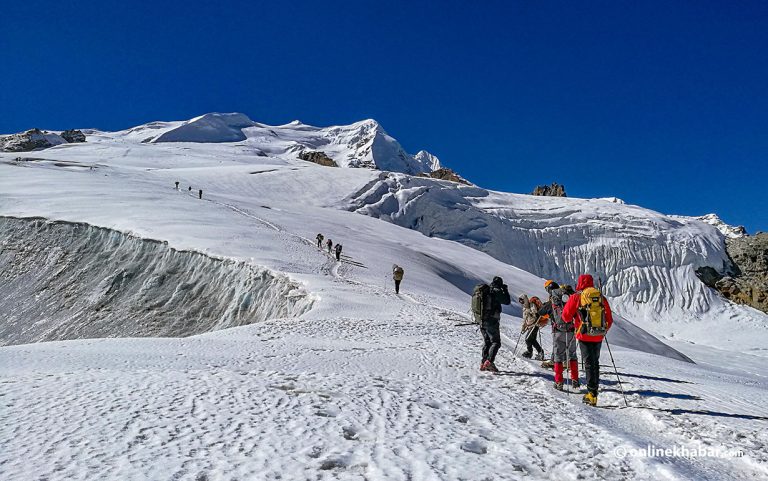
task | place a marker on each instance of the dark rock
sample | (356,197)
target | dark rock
(747,279)
(553,190)
(33,139)
(446,174)
(73,136)
(708,275)
(318,158)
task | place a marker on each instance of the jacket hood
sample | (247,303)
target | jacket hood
(585,281)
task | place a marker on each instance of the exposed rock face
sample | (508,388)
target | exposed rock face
(747,280)
(553,190)
(318,158)
(73,136)
(28,141)
(446,174)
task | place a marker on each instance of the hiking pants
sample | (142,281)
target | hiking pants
(531,342)
(559,346)
(338,255)
(590,354)
(492,340)
(397,286)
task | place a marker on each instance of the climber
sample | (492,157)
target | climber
(591,316)
(496,295)
(531,324)
(563,339)
(397,276)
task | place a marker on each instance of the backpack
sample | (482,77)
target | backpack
(481,302)
(592,312)
(397,273)
(556,298)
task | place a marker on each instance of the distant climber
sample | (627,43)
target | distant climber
(319,239)
(491,299)
(563,339)
(589,311)
(397,276)
(190,188)
(338,252)
(329,245)
(531,324)
(200,194)
(177,185)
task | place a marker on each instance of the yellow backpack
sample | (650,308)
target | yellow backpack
(592,312)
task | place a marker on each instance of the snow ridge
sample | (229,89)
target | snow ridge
(363,144)
(646,260)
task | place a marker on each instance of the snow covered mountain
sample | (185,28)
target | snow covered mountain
(647,260)
(276,344)
(363,144)
(730,231)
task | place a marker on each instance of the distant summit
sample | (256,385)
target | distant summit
(363,144)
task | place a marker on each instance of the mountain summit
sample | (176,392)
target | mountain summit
(363,144)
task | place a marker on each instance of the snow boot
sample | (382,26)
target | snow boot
(590,399)
(539,356)
(527,354)
(558,386)
(488,366)
(548,364)
(575,383)
(482,365)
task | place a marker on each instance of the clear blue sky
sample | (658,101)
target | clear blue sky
(664,104)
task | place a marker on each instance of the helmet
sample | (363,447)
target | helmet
(550,284)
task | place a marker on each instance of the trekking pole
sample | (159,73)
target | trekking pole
(616,371)
(567,362)
(516,344)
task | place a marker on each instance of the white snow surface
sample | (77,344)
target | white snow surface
(362,144)
(646,260)
(365,384)
(730,231)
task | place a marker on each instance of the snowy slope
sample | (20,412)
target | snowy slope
(646,259)
(730,231)
(359,384)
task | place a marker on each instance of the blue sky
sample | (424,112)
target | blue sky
(664,104)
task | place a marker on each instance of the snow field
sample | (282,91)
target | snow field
(365,385)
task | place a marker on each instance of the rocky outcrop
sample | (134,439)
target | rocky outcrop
(552,190)
(36,139)
(33,139)
(318,158)
(746,281)
(73,136)
(446,174)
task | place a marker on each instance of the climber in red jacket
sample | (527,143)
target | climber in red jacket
(592,318)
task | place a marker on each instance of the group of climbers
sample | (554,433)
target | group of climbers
(579,317)
(329,244)
(199,192)
(397,271)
